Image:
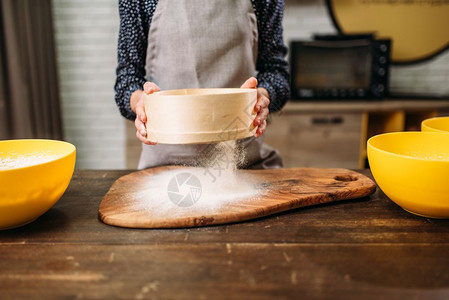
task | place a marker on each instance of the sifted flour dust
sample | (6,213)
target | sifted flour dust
(211,186)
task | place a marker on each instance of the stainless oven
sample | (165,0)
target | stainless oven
(340,67)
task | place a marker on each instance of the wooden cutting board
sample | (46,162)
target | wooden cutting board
(173,196)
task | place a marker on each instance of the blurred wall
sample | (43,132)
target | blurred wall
(86,43)
(86,37)
(305,17)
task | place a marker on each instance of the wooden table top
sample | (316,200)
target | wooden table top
(366,248)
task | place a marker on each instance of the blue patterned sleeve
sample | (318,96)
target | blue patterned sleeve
(132,44)
(135,19)
(271,64)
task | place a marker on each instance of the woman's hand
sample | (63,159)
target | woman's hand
(138,107)
(261,107)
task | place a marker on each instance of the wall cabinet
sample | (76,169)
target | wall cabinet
(334,134)
(316,140)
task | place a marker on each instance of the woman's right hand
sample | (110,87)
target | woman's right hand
(138,106)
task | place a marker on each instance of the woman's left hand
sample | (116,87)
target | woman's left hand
(261,107)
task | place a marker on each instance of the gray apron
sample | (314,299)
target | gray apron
(203,44)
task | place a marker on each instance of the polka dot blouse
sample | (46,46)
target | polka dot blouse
(135,20)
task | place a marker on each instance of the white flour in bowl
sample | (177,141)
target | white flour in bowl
(427,155)
(12,160)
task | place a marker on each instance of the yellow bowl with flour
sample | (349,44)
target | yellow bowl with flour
(412,169)
(33,176)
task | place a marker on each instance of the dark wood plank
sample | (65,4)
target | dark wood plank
(225,271)
(372,220)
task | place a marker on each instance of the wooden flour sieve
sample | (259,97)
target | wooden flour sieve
(190,116)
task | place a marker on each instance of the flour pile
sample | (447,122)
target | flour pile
(211,186)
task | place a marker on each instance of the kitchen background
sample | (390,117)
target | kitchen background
(86,41)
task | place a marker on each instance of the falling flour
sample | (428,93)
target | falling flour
(211,186)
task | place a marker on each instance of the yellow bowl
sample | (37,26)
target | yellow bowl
(438,124)
(33,176)
(412,169)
